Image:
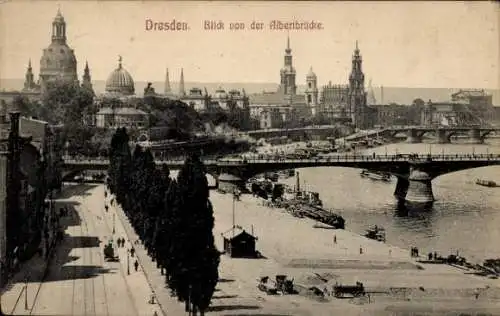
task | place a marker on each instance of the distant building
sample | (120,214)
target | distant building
(334,102)
(57,64)
(285,101)
(392,115)
(446,114)
(116,106)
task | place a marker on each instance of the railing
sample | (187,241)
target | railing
(318,160)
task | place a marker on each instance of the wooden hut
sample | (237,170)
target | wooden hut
(239,244)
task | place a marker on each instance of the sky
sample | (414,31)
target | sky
(410,44)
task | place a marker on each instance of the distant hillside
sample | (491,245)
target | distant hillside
(398,95)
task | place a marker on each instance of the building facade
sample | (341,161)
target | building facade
(284,106)
(116,107)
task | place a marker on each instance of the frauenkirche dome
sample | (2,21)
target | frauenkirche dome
(120,81)
(58,60)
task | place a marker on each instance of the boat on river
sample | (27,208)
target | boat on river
(376,175)
(486,183)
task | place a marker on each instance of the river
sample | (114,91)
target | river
(465,217)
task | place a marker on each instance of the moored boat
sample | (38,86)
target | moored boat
(376,175)
(486,183)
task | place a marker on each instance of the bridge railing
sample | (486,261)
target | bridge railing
(279,159)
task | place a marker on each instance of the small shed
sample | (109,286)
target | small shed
(239,244)
(228,182)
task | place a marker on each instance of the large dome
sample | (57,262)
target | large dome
(120,81)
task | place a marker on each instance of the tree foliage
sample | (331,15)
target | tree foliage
(174,218)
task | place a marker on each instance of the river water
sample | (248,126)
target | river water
(465,217)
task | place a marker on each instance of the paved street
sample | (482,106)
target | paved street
(79,281)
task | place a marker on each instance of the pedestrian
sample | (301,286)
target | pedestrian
(360,250)
(106,207)
(132,251)
(334,239)
(136,265)
(476,293)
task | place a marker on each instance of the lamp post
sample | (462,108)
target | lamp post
(128,262)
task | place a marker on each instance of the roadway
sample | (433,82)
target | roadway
(79,281)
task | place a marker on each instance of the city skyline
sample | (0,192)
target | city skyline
(399,53)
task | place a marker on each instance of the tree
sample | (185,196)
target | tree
(199,260)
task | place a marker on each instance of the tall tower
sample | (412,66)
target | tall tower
(29,81)
(167,89)
(312,91)
(86,80)
(58,61)
(182,91)
(287,73)
(357,94)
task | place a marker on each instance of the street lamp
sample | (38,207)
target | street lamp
(128,262)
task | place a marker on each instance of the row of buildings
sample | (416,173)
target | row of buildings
(269,109)
(345,103)
(30,175)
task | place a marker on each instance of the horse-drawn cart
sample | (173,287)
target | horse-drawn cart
(352,290)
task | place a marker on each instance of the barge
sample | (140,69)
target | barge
(376,175)
(486,183)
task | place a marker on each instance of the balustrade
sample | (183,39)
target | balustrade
(336,158)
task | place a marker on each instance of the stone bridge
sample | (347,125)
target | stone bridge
(414,173)
(443,135)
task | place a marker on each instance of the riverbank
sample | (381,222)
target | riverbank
(310,255)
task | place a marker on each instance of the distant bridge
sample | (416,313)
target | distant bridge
(414,173)
(443,134)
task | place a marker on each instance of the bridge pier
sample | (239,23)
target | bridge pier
(413,136)
(475,136)
(442,136)
(417,189)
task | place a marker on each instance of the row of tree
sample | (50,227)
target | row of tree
(173,217)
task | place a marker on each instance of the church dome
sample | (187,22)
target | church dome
(58,61)
(120,81)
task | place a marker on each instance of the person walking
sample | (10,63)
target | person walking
(132,252)
(136,265)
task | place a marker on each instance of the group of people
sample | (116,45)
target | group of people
(120,242)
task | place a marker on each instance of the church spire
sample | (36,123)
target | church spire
(29,81)
(167,89)
(86,80)
(288,50)
(182,92)
(59,28)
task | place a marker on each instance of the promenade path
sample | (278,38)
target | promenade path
(166,304)
(79,281)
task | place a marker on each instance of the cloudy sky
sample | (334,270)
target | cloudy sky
(442,44)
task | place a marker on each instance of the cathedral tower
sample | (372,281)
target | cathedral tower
(86,80)
(58,61)
(312,91)
(357,94)
(287,73)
